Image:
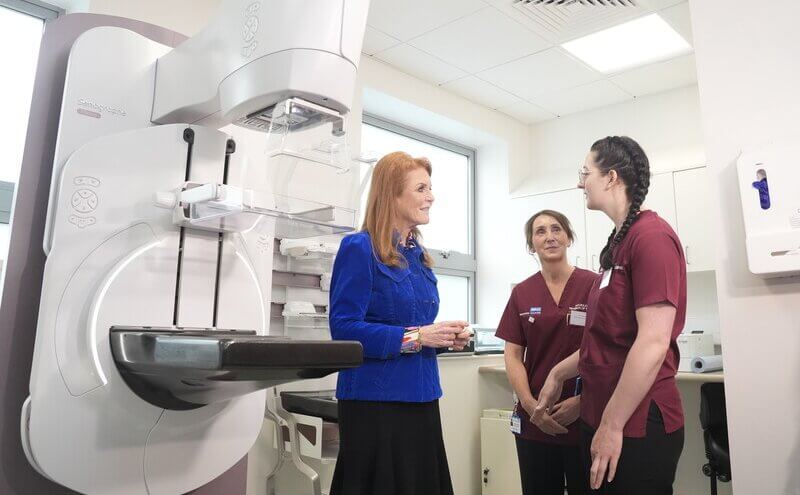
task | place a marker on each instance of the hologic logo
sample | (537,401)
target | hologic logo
(101,108)
(250,29)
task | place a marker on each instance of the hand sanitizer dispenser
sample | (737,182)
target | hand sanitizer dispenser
(769,186)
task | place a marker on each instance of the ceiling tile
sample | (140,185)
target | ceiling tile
(481,40)
(406,19)
(655,78)
(592,95)
(481,92)
(419,64)
(527,113)
(548,71)
(376,41)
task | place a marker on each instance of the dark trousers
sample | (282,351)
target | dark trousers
(647,465)
(545,467)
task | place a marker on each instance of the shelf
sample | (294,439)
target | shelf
(308,249)
(295,279)
(712,377)
(223,208)
(276,310)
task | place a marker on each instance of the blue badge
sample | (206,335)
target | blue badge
(535,311)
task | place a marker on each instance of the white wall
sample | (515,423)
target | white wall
(669,128)
(667,125)
(748,77)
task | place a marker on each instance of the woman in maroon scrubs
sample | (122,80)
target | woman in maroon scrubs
(543,324)
(631,413)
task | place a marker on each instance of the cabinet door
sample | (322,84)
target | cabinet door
(499,465)
(598,228)
(661,198)
(570,203)
(692,206)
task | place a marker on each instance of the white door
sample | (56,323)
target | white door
(499,465)
(692,205)
(661,198)
(570,203)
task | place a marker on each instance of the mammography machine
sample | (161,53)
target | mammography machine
(152,348)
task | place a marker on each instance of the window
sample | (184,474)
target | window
(450,236)
(21,25)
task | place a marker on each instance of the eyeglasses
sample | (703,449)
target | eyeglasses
(582,174)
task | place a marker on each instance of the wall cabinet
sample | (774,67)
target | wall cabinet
(679,197)
(692,206)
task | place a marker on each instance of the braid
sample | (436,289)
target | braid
(637,185)
(606,257)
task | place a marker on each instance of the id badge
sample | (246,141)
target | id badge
(516,423)
(606,278)
(577,318)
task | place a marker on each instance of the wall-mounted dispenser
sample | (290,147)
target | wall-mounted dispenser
(769,186)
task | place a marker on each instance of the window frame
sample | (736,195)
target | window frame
(33,8)
(452,263)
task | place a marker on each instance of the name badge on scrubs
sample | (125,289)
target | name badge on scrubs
(606,278)
(516,423)
(532,314)
(577,317)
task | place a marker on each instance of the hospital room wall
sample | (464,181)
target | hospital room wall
(667,125)
(748,79)
(669,128)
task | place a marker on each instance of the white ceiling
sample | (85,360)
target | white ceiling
(509,58)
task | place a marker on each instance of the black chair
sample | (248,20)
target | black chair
(714,420)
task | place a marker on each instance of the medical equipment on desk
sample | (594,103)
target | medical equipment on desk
(692,345)
(152,347)
(486,342)
(770,197)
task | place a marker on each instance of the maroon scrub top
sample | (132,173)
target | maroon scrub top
(649,268)
(548,339)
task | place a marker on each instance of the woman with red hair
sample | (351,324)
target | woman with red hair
(383,294)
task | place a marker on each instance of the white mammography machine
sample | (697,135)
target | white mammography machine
(160,235)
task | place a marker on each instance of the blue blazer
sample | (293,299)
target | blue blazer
(373,304)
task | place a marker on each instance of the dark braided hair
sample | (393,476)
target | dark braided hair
(627,158)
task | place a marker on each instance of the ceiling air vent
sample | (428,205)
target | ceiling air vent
(596,3)
(563,20)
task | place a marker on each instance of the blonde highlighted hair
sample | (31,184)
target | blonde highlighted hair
(388,180)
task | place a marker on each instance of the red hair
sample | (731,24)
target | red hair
(388,180)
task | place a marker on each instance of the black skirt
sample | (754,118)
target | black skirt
(390,448)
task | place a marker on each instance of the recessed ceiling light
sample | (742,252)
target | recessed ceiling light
(641,41)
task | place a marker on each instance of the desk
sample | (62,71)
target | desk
(715,377)
(689,479)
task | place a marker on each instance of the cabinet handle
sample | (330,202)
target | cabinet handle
(688,262)
(577,261)
(594,256)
